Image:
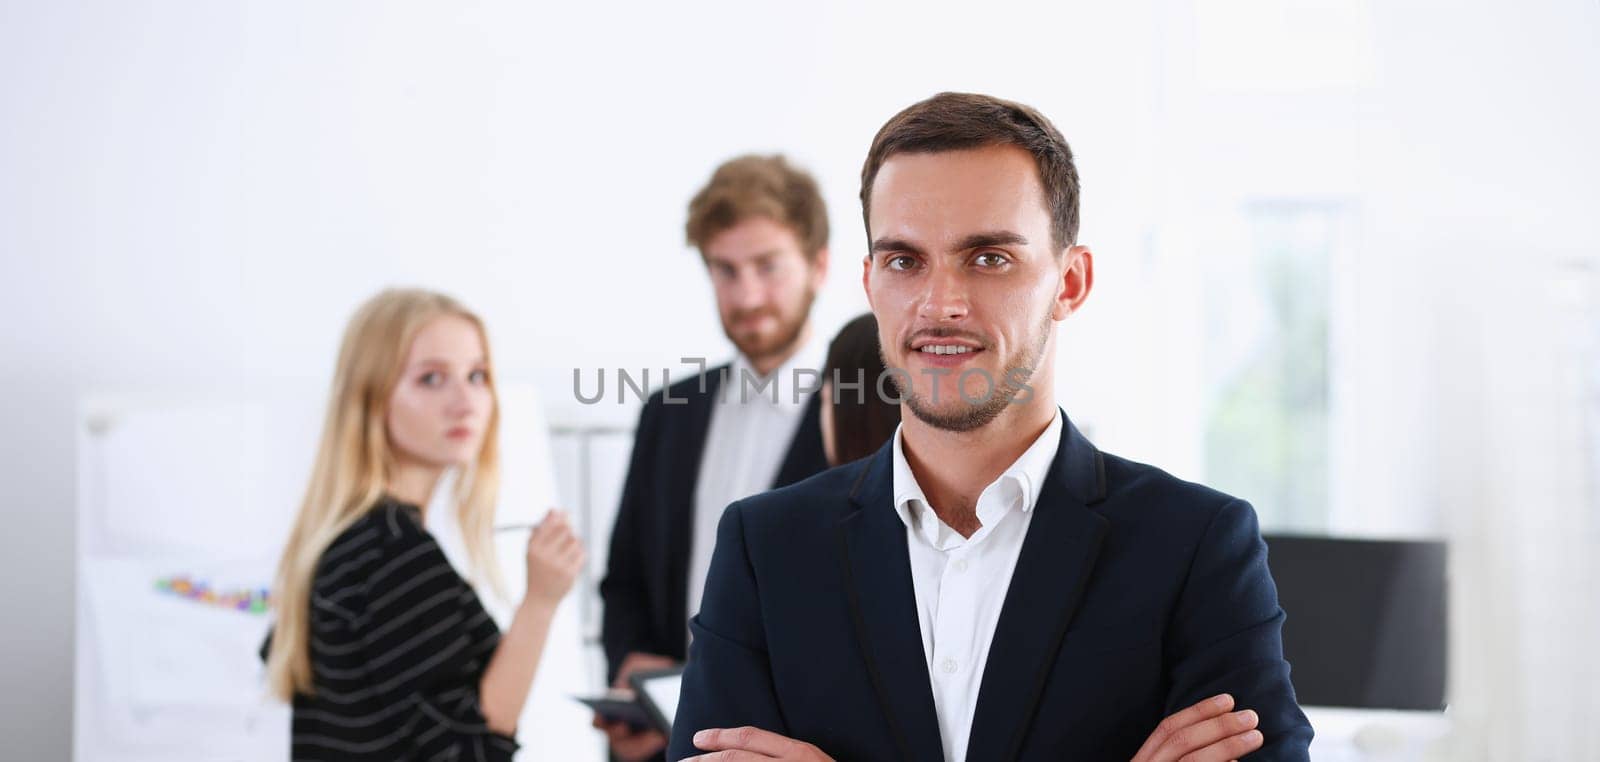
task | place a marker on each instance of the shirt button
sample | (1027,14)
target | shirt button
(960,564)
(948,665)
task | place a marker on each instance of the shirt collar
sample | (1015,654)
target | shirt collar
(1028,473)
(795,380)
(1034,464)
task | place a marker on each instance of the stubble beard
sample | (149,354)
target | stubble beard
(970,416)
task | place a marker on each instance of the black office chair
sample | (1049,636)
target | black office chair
(1366,622)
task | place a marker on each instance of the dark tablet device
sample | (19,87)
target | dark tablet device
(619,706)
(657,690)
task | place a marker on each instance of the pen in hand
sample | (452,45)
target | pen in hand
(521,526)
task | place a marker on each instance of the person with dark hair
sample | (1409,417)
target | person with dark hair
(856,418)
(761,229)
(989,585)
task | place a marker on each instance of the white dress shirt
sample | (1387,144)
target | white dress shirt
(961,583)
(752,426)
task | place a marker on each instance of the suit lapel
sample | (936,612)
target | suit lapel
(805,456)
(1052,571)
(883,603)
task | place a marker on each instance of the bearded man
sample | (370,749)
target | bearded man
(731,431)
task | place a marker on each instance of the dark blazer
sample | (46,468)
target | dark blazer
(1135,595)
(647,572)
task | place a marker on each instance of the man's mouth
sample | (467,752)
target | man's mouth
(753,316)
(946,349)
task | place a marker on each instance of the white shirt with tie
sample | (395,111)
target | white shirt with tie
(752,426)
(961,582)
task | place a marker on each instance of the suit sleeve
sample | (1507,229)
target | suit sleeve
(728,680)
(624,623)
(1226,635)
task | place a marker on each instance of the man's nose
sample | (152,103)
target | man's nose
(747,291)
(946,296)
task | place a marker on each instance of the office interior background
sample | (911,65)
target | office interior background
(1345,254)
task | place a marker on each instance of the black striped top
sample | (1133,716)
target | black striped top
(399,642)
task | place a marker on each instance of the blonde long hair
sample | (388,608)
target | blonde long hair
(355,462)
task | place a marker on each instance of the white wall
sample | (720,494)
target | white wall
(198,193)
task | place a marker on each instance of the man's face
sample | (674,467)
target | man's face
(764,286)
(966,281)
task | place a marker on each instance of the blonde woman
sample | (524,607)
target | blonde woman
(383,649)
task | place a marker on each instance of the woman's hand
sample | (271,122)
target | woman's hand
(554,557)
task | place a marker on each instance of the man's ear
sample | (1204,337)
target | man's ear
(866,278)
(1077,278)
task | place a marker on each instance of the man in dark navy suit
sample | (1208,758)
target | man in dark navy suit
(989,585)
(732,431)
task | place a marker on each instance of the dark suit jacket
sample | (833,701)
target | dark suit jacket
(647,572)
(1135,595)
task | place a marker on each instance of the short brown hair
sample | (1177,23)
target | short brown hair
(957,121)
(759,186)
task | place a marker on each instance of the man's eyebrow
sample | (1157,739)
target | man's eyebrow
(894,244)
(992,238)
(973,241)
(760,255)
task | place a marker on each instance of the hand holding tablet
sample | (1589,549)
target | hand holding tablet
(650,704)
(658,695)
(619,705)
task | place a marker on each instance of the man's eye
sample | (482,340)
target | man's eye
(901,262)
(990,259)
